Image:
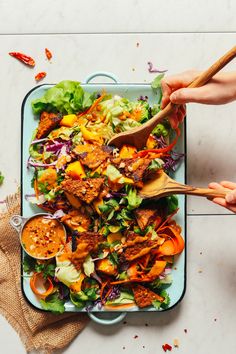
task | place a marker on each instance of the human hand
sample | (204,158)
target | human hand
(229,202)
(219,90)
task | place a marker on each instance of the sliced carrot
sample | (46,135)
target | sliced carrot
(96,102)
(36,188)
(167,248)
(156,269)
(38,278)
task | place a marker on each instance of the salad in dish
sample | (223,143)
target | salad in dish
(119,249)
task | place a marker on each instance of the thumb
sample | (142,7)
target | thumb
(231,197)
(186,95)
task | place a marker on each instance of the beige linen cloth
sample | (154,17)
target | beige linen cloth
(39,331)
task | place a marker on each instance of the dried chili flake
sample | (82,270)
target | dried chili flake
(176,343)
(185,330)
(48,54)
(166,347)
(135,337)
(26,59)
(40,76)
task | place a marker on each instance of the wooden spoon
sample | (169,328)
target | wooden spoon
(138,136)
(163,186)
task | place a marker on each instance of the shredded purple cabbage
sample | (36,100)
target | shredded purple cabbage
(152,69)
(30,162)
(38,141)
(115,293)
(143,98)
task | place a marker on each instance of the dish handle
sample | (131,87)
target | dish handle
(101,73)
(17,222)
(108,321)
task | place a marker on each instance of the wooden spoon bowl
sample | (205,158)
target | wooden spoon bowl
(162,186)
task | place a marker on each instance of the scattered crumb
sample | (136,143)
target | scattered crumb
(175,268)
(135,337)
(146,324)
(133,69)
(215,319)
(200,271)
(166,347)
(185,330)
(176,343)
(137,44)
(123,348)
(143,346)
(125,322)
(201,253)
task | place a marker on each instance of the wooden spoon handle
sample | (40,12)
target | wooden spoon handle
(179,188)
(201,80)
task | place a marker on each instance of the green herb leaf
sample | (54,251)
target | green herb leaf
(53,303)
(46,269)
(1,178)
(29,264)
(134,200)
(156,83)
(172,203)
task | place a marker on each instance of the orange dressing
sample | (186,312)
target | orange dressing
(43,237)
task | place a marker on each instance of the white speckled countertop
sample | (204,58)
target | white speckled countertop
(102,36)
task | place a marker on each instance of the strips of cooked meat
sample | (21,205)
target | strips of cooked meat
(139,249)
(93,156)
(144,297)
(145,216)
(48,121)
(86,242)
(133,168)
(87,189)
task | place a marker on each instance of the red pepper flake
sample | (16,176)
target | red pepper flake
(185,330)
(166,347)
(123,348)
(135,337)
(137,44)
(215,319)
(48,54)
(40,76)
(26,59)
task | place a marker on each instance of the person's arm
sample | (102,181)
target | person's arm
(229,202)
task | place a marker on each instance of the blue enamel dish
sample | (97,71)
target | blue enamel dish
(29,123)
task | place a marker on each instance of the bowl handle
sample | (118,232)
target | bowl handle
(119,317)
(17,221)
(101,73)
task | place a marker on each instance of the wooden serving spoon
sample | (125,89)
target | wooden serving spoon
(138,136)
(163,185)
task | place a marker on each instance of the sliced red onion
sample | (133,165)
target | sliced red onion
(54,147)
(38,141)
(31,198)
(38,164)
(57,215)
(152,69)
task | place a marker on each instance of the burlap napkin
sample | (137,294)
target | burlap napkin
(38,330)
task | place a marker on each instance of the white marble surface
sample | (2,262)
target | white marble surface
(207,310)
(78,16)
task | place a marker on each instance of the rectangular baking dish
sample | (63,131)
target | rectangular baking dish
(29,123)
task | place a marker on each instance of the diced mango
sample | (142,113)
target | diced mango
(151,142)
(106,266)
(126,180)
(96,203)
(75,169)
(76,287)
(90,136)
(127,151)
(68,120)
(112,237)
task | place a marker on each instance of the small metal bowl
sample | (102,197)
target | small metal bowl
(18,222)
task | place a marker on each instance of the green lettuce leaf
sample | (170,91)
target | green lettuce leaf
(134,200)
(53,303)
(67,97)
